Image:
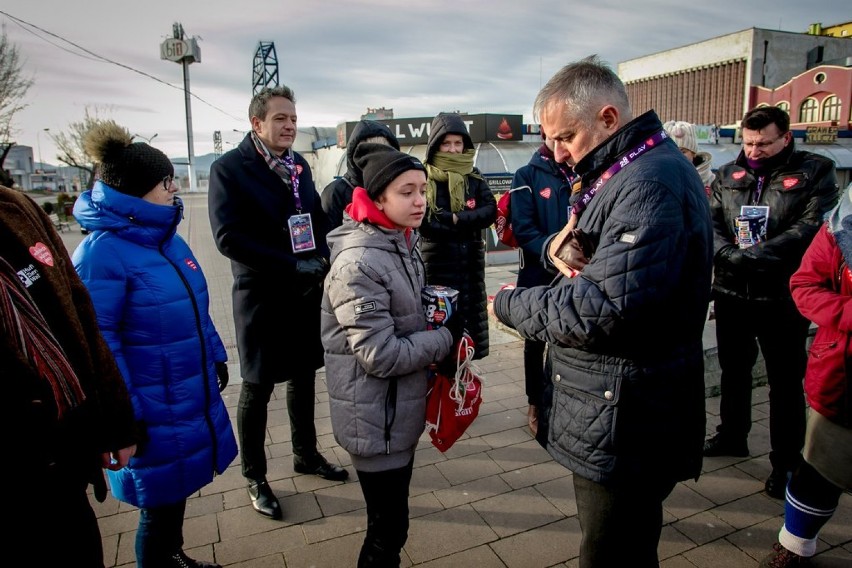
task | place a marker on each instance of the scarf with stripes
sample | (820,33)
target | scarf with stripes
(28,333)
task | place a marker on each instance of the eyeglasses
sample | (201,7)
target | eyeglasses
(167,182)
(761,145)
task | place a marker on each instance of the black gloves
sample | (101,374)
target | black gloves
(312,270)
(456,327)
(222,375)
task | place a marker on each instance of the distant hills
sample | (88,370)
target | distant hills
(202,165)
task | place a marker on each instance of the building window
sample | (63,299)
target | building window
(831,108)
(819,78)
(785,106)
(808,111)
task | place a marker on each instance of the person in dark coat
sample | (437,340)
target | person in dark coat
(540,202)
(266,217)
(338,194)
(460,206)
(793,190)
(628,393)
(66,411)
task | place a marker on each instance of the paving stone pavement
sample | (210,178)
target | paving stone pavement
(495,499)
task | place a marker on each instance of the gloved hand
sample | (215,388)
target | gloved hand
(455,326)
(312,270)
(733,255)
(222,375)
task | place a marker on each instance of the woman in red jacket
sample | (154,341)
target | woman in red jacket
(822,290)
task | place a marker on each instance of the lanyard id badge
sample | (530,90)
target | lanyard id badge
(301,232)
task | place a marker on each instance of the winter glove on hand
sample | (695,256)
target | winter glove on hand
(312,270)
(455,325)
(733,255)
(222,375)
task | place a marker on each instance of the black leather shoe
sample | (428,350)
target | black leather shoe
(181,560)
(776,484)
(320,467)
(720,446)
(263,499)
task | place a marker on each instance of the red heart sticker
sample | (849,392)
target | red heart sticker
(470,203)
(545,193)
(649,141)
(41,253)
(738,175)
(789,182)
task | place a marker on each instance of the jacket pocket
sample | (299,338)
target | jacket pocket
(584,415)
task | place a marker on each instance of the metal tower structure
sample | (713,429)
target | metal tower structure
(217,143)
(265,72)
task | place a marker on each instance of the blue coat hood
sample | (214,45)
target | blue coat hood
(133,218)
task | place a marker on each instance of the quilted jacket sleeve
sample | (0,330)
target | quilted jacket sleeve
(641,251)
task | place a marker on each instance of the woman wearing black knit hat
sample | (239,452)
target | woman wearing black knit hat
(377,345)
(460,206)
(152,305)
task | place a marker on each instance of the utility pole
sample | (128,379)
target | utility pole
(183,50)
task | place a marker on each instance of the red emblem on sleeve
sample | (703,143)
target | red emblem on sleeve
(738,175)
(190,263)
(545,193)
(470,203)
(789,182)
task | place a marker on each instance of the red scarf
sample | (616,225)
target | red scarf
(363,209)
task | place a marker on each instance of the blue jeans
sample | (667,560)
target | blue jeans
(160,534)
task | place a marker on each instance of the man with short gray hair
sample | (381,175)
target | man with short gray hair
(624,330)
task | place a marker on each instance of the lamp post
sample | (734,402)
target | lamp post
(38,141)
(147,140)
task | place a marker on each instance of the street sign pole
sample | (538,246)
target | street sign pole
(184,51)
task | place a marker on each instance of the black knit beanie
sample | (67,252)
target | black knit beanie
(128,167)
(382,164)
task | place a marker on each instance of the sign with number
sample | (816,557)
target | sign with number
(173,49)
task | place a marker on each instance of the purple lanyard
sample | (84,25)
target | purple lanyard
(290,164)
(626,159)
(759,190)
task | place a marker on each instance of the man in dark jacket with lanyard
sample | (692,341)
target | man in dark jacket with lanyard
(625,333)
(266,217)
(767,206)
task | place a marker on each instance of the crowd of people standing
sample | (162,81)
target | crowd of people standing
(650,238)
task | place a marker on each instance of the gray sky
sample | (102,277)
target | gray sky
(341,57)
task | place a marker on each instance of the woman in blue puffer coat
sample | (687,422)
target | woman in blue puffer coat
(152,302)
